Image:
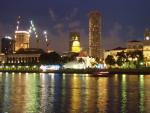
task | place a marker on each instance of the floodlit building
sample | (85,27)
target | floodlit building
(134,45)
(114,52)
(7,45)
(95,29)
(21,40)
(24,56)
(74,42)
(146,47)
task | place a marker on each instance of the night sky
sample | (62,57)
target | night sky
(123,20)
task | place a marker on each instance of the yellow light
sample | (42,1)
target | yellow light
(76,46)
(22,32)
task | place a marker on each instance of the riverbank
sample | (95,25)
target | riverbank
(67,71)
(130,71)
(83,71)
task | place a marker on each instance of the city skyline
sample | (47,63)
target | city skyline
(59,18)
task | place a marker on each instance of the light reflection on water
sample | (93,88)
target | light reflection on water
(73,93)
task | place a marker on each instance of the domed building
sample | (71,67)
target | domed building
(75,42)
(76,46)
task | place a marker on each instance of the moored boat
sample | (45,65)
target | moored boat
(101,74)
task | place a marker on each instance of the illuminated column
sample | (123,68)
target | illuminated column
(95,24)
(74,42)
(21,40)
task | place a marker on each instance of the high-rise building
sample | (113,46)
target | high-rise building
(21,40)
(95,29)
(74,42)
(7,45)
(146,47)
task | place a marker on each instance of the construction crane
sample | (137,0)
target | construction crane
(18,23)
(32,29)
(46,39)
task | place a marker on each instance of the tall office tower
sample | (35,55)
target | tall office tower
(7,45)
(74,42)
(95,28)
(146,47)
(21,40)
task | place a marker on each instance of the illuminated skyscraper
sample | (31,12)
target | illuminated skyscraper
(95,28)
(21,40)
(74,42)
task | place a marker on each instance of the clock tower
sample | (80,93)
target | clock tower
(146,47)
(147,35)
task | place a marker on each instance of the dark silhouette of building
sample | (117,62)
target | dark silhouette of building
(7,45)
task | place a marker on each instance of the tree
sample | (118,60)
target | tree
(81,60)
(70,57)
(110,60)
(50,58)
(122,55)
(122,58)
(119,61)
(135,58)
(139,58)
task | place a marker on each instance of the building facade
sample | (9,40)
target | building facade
(21,40)
(74,44)
(2,58)
(146,47)
(95,29)
(7,45)
(134,45)
(113,52)
(24,56)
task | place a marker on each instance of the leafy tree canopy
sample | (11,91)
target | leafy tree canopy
(50,58)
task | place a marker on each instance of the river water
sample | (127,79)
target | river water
(74,93)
